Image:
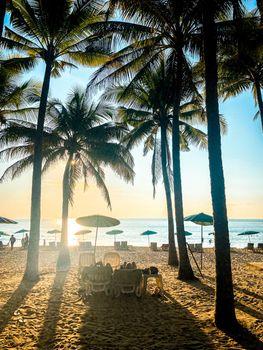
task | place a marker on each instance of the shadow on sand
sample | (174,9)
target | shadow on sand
(147,323)
(47,335)
(241,335)
(14,302)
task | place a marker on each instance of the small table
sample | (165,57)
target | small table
(158,280)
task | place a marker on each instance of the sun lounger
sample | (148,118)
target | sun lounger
(250,246)
(191,246)
(52,244)
(260,246)
(86,245)
(198,247)
(165,247)
(85,259)
(124,245)
(96,279)
(127,281)
(117,245)
(154,246)
(113,259)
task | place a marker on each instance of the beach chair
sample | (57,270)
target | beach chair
(250,246)
(96,279)
(154,246)
(191,246)
(113,259)
(198,248)
(117,245)
(52,244)
(165,247)
(85,259)
(260,246)
(127,281)
(124,245)
(1,245)
(86,245)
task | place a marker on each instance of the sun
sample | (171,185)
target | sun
(72,228)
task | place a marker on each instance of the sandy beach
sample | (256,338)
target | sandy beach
(48,315)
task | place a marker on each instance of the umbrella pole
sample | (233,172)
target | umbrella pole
(201,247)
(148,241)
(96,240)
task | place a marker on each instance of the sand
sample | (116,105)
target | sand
(48,315)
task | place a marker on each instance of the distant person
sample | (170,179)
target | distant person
(26,241)
(12,241)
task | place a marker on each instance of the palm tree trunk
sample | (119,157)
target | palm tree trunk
(259,99)
(2,16)
(32,268)
(172,254)
(185,271)
(63,261)
(224,303)
(260,9)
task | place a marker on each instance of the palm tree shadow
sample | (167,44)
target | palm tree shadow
(47,334)
(240,334)
(14,302)
(148,323)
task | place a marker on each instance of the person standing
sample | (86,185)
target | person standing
(12,241)
(26,241)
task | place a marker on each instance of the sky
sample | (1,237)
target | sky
(242,150)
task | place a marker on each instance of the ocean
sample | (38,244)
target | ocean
(132,229)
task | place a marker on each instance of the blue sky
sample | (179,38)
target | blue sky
(242,150)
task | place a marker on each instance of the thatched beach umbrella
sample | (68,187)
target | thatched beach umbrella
(203,220)
(114,233)
(248,233)
(4,220)
(149,233)
(82,233)
(23,230)
(4,234)
(54,232)
(97,221)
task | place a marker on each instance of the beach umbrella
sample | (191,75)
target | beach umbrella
(82,233)
(186,233)
(97,221)
(54,232)
(21,231)
(203,220)
(6,221)
(149,233)
(114,233)
(248,233)
(4,234)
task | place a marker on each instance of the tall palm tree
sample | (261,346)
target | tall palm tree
(240,64)
(82,135)
(59,34)
(148,109)
(151,28)
(2,15)
(15,99)
(224,308)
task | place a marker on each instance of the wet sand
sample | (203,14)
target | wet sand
(48,315)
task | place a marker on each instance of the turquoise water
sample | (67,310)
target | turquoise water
(133,227)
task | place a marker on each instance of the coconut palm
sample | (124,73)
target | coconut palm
(2,15)
(83,136)
(240,65)
(148,109)
(151,28)
(57,33)
(224,308)
(15,99)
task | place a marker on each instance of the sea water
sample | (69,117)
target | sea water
(132,229)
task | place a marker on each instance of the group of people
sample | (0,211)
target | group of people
(24,241)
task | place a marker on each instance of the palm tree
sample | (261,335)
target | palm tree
(224,308)
(58,33)
(148,109)
(155,27)
(2,15)
(240,64)
(83,136)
